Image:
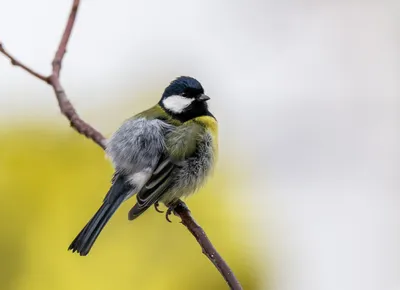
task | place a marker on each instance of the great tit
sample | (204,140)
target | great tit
(161,155)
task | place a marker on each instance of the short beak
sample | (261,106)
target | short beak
(203,98)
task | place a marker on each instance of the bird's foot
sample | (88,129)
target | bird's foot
(169,212)
(156,205)
(176,206)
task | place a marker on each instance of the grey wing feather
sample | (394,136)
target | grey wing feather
(156,186)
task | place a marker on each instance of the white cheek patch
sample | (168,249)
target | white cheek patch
(177,103)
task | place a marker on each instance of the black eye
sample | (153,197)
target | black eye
(184,94)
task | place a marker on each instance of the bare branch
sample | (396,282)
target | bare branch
(16,62)
(68,110)
(87,130)
(62,48)
(65,105)
(188,221)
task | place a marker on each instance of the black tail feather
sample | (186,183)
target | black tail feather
(86,238)
(88,235)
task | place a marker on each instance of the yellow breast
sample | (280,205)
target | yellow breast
(211,125)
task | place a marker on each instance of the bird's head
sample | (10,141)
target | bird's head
(184,98)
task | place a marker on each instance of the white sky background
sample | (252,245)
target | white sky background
(307,91)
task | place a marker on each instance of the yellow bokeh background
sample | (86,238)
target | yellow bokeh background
(52,180)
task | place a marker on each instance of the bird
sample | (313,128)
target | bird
(161,155)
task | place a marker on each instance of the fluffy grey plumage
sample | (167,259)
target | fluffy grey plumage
(136,147)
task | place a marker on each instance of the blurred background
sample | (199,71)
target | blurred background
(305,196)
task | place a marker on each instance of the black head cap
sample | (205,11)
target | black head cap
(184,86)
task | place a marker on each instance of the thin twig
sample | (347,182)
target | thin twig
(16,62)
(62,47)
(87,130)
